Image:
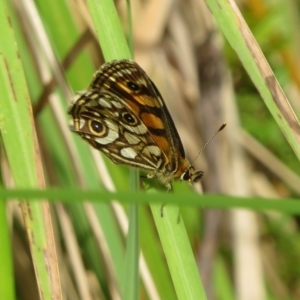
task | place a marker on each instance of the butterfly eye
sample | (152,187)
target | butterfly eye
(129,118)
(133,86)
(97,128)
(191,175)
(186,175)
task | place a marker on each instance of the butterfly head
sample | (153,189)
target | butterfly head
(191,175)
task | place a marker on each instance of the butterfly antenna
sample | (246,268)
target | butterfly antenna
(204,146)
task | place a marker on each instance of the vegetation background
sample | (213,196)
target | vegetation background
(239,254)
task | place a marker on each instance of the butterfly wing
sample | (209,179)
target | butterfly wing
(109,125)
(131,84)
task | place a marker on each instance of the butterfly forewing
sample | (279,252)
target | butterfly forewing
(130,82)
(123,114)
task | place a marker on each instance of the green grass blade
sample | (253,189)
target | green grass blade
(71,195)
(242,41)
(19,139)
(179,254)
(114,46)
(7,289)
(131,274)
(109,30)
(222,281)
(154,256)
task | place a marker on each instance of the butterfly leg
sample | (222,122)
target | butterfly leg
(169,188)
(162,210)
(151,175)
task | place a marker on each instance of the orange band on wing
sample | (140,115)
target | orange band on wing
(162,143)
(150,120)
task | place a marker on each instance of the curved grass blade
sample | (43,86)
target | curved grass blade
(114,46)
(19,139)
(244,44)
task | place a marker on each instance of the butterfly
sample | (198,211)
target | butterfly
(123,115)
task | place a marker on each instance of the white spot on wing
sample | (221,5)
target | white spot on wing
(154,150)
(103,102)
(159,164)
(117,104)
(131,139)
(73,125)
(78,95)
(81,123)
(92,96)
(128,153)
(140,129)
(120,74)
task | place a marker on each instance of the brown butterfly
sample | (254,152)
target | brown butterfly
(123,115)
